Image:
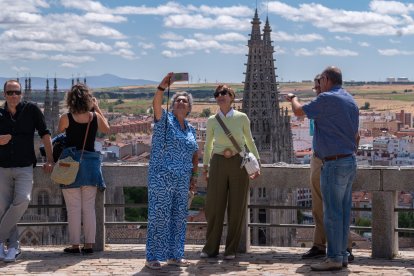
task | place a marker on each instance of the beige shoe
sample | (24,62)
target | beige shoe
(327,265)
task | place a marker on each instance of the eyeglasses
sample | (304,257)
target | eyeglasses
(13,92)
(220,93)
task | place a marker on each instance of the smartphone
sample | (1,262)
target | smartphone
(179,77)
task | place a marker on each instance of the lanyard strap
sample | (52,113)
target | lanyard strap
(228,133)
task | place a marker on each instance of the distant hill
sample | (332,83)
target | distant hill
(106,80)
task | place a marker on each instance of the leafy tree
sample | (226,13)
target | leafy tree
(136,195)
(406,220)
(363,222)
(365,106)
(205,113)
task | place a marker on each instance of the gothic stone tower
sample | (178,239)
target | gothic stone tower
(47,111)
(27,89)
(271,130)
(269,124)
(55,108)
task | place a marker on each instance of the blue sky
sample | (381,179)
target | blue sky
(368,40)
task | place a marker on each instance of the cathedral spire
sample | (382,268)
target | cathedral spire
(47,111)
(260,98)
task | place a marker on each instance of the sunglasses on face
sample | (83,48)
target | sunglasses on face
(181,100)
(220,93)
(13,92)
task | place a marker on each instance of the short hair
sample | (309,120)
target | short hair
(224,87)
(10,81)
(79,99)
(334,74)
(182,93)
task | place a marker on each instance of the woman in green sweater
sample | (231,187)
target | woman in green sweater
(226,180)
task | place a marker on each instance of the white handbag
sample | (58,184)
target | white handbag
(249,162)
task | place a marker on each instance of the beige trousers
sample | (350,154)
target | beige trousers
(319,238)
(80,205)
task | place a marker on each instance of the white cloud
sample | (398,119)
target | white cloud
(125,53)
(68,65)
(395,52)
(241,11)
(394,41)
(20,69)
(325,51)
(85,5)
(364,44)
(343,38)
(339,20)
(122,44)
(167,9)
(174,54)
(225,37)
(144,45)
(283,36)
(72,59)
(199,21)
(102,17)
(171,36)
(390,7)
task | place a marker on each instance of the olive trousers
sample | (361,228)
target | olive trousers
(228,186)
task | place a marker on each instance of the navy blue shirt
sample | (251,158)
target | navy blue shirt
(19,151)
(336,117)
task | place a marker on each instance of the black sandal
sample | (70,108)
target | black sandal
(87,250)
(72,250)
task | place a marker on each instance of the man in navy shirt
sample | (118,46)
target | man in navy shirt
(18,122)
(336,117)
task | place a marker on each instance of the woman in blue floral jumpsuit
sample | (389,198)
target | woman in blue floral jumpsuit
(172,172)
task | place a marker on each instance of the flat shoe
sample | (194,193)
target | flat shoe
(71,250)
(179,262)
(155,265)
(87,251)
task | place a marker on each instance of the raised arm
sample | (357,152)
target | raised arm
(157,101)
(103,125)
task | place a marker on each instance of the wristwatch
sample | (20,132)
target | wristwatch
(291,96)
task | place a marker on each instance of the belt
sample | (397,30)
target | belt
(336,157)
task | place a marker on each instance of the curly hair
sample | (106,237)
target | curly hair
(79,99)
(183,93)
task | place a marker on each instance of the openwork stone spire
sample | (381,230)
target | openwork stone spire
(270,126)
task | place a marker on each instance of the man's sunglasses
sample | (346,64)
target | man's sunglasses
(13,92)
(222,93)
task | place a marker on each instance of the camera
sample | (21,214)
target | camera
(179,77)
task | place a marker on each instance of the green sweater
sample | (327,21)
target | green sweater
(217,141)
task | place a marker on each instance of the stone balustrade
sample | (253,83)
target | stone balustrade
(382,182)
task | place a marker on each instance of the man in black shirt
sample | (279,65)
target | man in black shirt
(18,122)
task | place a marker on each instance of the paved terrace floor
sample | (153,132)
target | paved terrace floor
(129,260)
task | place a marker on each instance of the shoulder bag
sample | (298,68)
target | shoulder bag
(249,161)
(66,169)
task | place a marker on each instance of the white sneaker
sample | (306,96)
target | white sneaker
(3,252)
(12,255)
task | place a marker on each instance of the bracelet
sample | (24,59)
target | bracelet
(194,174)
(160,88)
